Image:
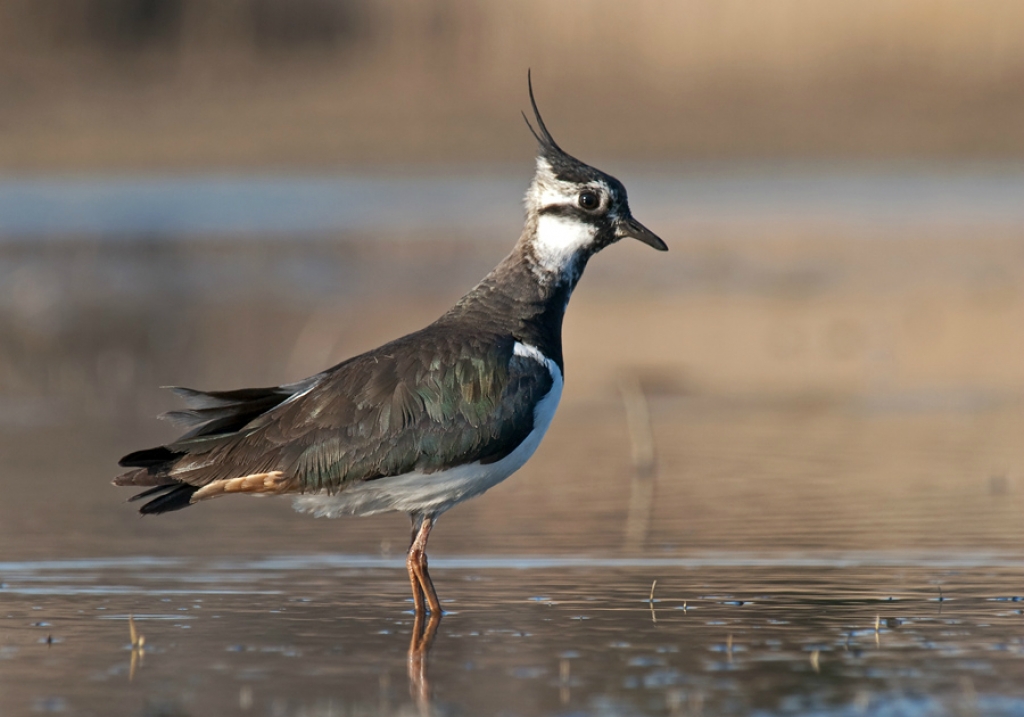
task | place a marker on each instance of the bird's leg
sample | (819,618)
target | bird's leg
(424,628)
(416,562)
(433,603)
(413,565)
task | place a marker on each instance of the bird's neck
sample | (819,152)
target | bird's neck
(526,294)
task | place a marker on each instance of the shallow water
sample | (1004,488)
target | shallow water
(833,517)
(327,635)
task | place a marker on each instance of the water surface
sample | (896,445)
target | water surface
(833,387)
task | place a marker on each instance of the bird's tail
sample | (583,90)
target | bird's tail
(209,415)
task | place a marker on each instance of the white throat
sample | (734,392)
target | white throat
(559,240)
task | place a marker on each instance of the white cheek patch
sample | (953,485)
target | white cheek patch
(548,190)
(556,193)
(560,239)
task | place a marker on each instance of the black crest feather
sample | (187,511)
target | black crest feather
(564,165)
(546,141)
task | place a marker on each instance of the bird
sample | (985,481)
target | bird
(423,422)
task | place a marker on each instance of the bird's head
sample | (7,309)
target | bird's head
(574,210)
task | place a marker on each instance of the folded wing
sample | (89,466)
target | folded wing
(426,402)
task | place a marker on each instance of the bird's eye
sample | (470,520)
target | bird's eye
(589,199)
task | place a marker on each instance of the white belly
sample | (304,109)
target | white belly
(435,493)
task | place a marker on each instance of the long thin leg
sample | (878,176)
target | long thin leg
(412,565)
(424,628)
(416,563)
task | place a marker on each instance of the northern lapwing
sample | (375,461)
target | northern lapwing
(423,422)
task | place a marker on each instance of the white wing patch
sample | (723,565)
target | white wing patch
(528,351)
(437,492)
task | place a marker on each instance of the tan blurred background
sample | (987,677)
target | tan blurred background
(840,317)
(142,84)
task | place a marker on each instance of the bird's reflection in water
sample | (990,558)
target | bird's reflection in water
(424,630)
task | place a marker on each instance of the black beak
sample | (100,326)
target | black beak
(630,227)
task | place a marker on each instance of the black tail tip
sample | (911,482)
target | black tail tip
(149,457)
(167,498)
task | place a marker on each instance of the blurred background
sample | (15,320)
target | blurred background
(256,84)
(242,192)
(806,418)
